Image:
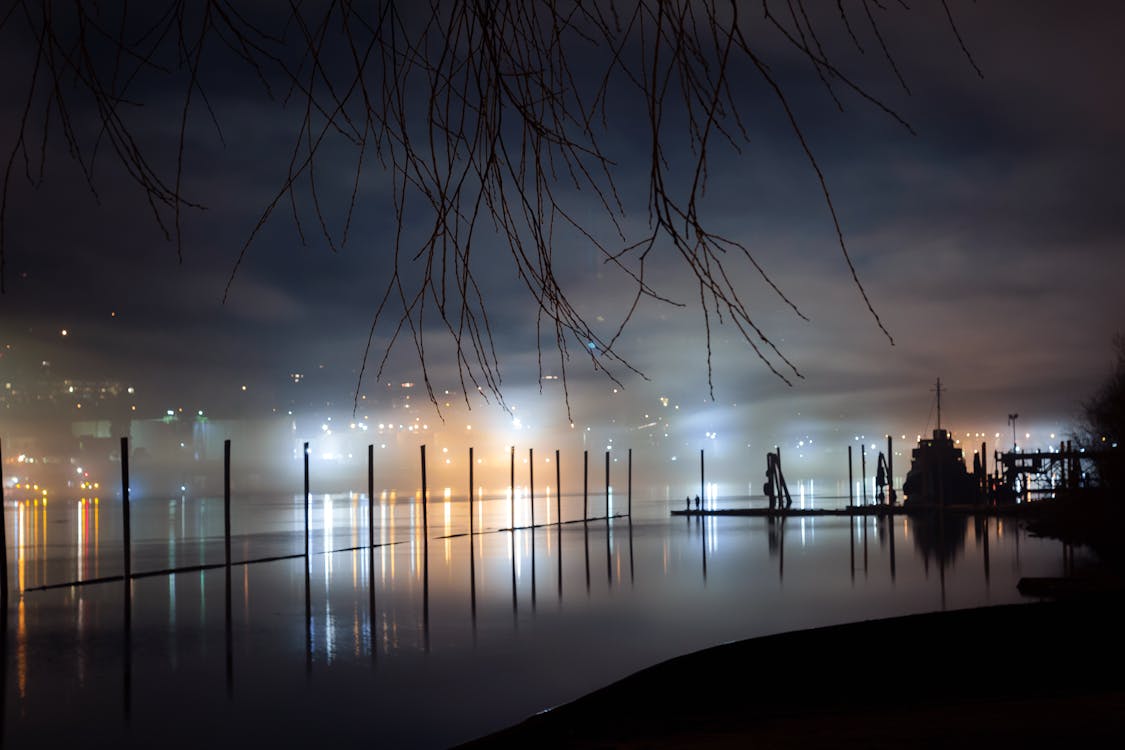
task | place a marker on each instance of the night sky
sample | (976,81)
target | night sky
(989,242)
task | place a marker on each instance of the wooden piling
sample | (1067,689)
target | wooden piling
(558,489)
(471,503)
(702,485)
(226,501)
(425,522)
(607,485)
(306,502)
(863,473)
(585,485)
(983,468)
(531,484)
(125,509)
(3,549)
(851,479)
(890,471)
(629,490)
(371,495)
(512,485)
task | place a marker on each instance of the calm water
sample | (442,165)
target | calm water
(433,638)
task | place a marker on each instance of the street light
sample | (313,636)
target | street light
(1012,421)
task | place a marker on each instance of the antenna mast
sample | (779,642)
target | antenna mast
(938,389)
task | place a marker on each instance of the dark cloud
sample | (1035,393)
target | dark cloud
(989,243)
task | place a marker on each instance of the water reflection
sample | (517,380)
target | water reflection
(549,653)
(939,537)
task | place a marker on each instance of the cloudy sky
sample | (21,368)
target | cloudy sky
(988,240)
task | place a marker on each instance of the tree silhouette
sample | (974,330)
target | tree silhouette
(487,116)
(1103,431)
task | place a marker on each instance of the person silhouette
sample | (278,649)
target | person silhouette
(697,502)
(687,503)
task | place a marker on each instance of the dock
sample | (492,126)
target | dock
(866,510)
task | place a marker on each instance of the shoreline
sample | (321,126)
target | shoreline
(1019,672)
(1022,510)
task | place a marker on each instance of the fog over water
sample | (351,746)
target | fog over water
(433,636)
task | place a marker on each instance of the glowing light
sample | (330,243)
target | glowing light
(64,332)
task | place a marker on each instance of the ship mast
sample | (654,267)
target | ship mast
(938,390)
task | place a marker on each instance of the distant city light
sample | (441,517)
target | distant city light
(63,332)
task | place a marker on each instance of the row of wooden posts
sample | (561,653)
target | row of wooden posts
(128,573)
(863,472)
(127,531)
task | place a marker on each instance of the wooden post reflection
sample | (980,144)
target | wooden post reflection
(308,616)
(851,533)
(863,520)
(472,554)
(515,603)
(703,537)
(941,555)
(473,585)
(372,629)
(229,632)
(632,580)
(586,540)
(127,656)
(426,587)
(608,551)
(781,550)
(3,594)
(306,504)
(127,592)
(891,528)
(987,569)
(532,540)
(558,545)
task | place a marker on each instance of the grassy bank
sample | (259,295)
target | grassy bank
(1042,673)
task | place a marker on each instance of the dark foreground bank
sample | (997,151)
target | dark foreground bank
(1041,674)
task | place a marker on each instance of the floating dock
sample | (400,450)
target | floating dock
(865,510)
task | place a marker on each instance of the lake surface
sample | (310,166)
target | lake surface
(435,637)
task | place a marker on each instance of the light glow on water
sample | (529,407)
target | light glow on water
(597,601)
